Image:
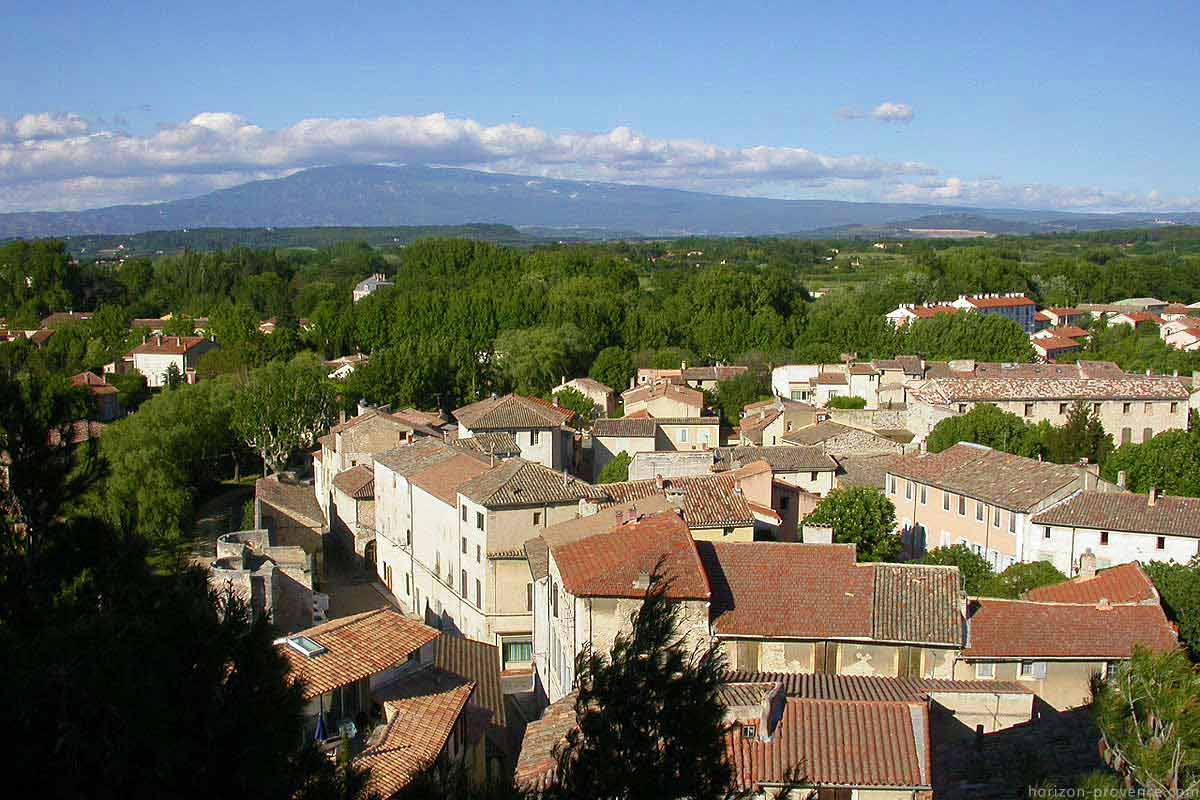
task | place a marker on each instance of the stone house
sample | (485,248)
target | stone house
(695,377)
(288,510)
(602,396)
(768,421)
(728,506)
(539,428)
(662,399)
(840,440)
(352,511)
(842,617)
(153,357)
(276,580)
(611,437)
(800,477)
(1116,528)
(104,395)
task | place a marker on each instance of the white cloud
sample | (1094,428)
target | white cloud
(42,126)
(892,112)
(994,193)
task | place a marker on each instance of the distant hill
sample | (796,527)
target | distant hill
(381,196)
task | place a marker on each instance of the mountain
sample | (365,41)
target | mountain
(423,196)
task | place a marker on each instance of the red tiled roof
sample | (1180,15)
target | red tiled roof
(1054,343)
(167,345)
(355,647)
(1126,583)
(872,687)
(608,564)
(512,411)
(1069,331)
(650,391)
(1126,511)
(536,764)
(443,478)
(709,501)
(1021,387)
(1041,316)
(356,482)
(837,743)
(1000,302)
(94,382)
(1020,629)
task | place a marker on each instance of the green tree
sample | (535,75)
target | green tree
(847,402)
(1170,463)
(984,337)
(1018,579)
(987,425)
(861,516)
(1082,437)
(974,570)
(532,360)
(575,400)
(613,367)
(617,470)
(1179,587)
(284,408)
(172,377)
(732,395)
(1149,719)
(179,325)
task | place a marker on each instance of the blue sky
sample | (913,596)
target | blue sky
(1066,105)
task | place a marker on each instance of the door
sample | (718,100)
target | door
(825,658)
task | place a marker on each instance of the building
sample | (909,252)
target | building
(983,498)
(800,477)
(155,356)
(604,398)
(730,506)
(1050,348)
(767,421)
(275,580)
(1182,333)
(1134,318)
(1133,408)
(368,286)
(611,437)
(840,440)
(1066,316)
(63,318)
(288,510)
(909,312)
(695,377)
(591,574)
(662,399)
(104,395)
(811,608)
(1116,528)
(539,428)
(1055,647)
(342,367)
(1014,306)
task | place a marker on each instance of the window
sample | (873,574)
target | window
(797,395)
(995,518)
(1046,532)
(529,597)
(727,532)
(478,554)
(1062,408)
(908,490)
(812,476)
(407,584)
(464,513)
(979,511)
(1029,409)
(1033,669)
(1103,537)
(387,576)
(533,437)
(1126,435)
(985,670)
(1096,408)
(962,506)
(1125,407)
(1147,434)
(923,488)
(479,520)
(1160,543)
(1174,407)
(1012,522)
(962,408)
(518,651)
(891,484)
(537,518)
(783,503)
(464,545)
(682,437)
(478,593)
(463,585)
(1148,408)
(945,500)
(1110,669)
(554,598)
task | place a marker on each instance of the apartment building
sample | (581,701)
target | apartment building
(983,498)
(539,428)
(154,357)
(1013,306)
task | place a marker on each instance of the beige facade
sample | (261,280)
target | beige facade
(839,658)
(1061,683)
(664,406)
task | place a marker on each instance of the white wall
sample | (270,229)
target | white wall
(1065,545)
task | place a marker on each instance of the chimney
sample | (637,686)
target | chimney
(1153,498)
(408,437)
(341,416)
(1121,479)
(158,341)
(771,711)
(566,478)
(658,481)
(1087,565)
(620,516)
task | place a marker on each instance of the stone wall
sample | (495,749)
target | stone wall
(873,419)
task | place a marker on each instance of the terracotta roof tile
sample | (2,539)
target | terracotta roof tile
(443,479)
(501,444)
(479,663)
(1002,479)
(917,603)
(872,687)
(1000,302)
(1054,344)
(943,391)
(512,411)
(815,434)
(536,763)
(517,482)
(355,647)
(1069,331)
(1126,583)
(294,499)
(632,426)
(1019,629)
(168,345)
(781,458)
(708,501)
(357,482)
(1126,511)
(94,382)
(651,391)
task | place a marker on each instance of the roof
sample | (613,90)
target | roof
(1002,479)
(422,710)
(512,411)
(536,763)
(863,471)
(294,499)
(1065,312)
(355,647)
(433,419)
(168,345)
(861,369)
(589,384)
(1128,512)
(611,563)
(1068,331)
(1012,629)
(708,501)
(537,549)
(827,595)
(644,427)
(94,382)
(357,482)
(999,301)
(408,459)
(820,432)
(782,458)
(443,479)
(651,391)
(59,317)
(837,743)
(499,443)
(831,379)
(479,663)
(1054,343)
(517,482)
(978,389)
(872,687)
(1126,583)
(373,431)
(719,372)
(752,425)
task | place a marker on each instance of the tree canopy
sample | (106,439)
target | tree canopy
(861,516)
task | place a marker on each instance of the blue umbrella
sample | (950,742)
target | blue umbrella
(320,734)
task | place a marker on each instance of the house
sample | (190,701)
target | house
(800,477)
(983,498)
(539,427)
(611,437)
(604,399)
(352,510)
(726,506)
(155,356)
(1117,528)
(396,701)
(1126,583)
(1133,408)
(591,574)
(1182,333)
(341,368)
(840,440)
(877,383)
(1150,304)
(104,395)
(908,312)
(1049,348)
(1063,331)
(695,377)
(766,421)
(62,318)
(1135,318)
(275,580)
(1056,647)
(450,525)
(789,607)
(1066,316)
(1014,306)
(369,285)
(288,510)
(663,399)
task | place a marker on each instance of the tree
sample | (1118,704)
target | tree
(1170,463)
(1021,578)
(616,470)
(984,337)
(1082,437)
(172,377)
(986,424)
(847,402)
(861,516)
(974,570)
(1149,720)
(283,408)
(732,395)
(575,400)
(613,367)
(1179,587)
(531,360)
(649,719)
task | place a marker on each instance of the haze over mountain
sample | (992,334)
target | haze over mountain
(421,195)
